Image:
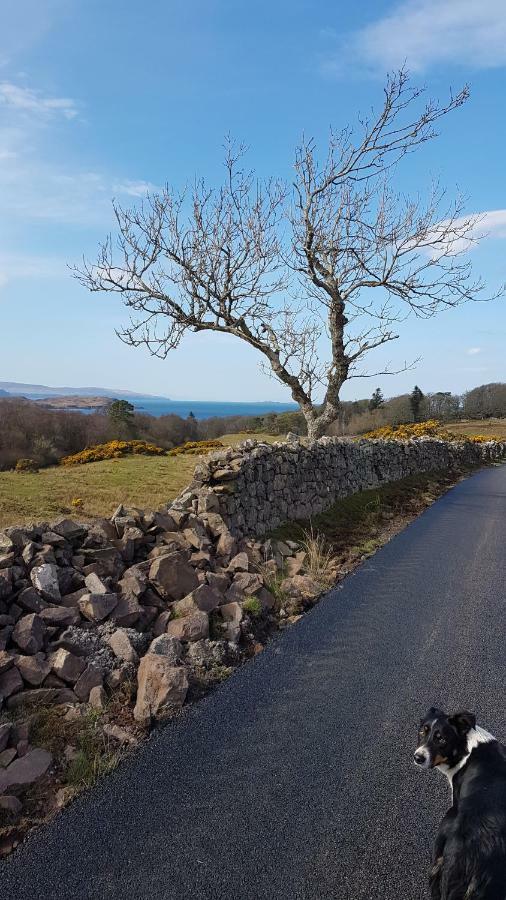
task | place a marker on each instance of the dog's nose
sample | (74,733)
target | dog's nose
(419,758)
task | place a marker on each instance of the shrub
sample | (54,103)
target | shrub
(253,607)
(196,447)
(112,450)
(430,428)
(26,465)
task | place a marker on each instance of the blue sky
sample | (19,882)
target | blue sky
(112,99)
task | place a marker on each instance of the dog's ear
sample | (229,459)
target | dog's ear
(463,721)
(432,713)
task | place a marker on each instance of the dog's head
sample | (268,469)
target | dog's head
(443,739)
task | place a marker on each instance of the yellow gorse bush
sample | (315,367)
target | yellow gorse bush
(196,447)
(111,450)
(430,428)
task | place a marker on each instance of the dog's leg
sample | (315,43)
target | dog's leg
(435,879)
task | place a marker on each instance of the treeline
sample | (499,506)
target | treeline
(28,431)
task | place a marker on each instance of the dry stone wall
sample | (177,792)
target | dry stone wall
(256,487)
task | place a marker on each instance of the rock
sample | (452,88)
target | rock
(203,598)
(172,577)
(6,757)
(6,661)
(95,584)
(267,599)
(127,610)
(10,683)
(167,646)
(302,586)
(90,678)
(5,731)
(120,645)
(23,747)
(67,666)
(71,531)
(97,607)
(33,669)
(244,585)
(11,805)
(294,564)
(239,563)
(60,616)
(72,600)
(161,689)
(41,697)
(161,622)
(5,583)
(206,654)
(45,580)
(227,545)
(23,772)
(98,697)
(232,615)
(29,633)
(30,600)
(6,545)
(190,628)
(219,581)
(122,735)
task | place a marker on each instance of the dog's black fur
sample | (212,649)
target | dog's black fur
(470,849)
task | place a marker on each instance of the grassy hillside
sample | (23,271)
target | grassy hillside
(493,427)
(138,481)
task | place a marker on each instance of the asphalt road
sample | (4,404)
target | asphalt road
(294,780)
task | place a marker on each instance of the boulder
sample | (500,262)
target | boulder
(6,661)
(67,666)
(239,563)
(232,616)
(90,678)
(5,583)
(44,696)
(294,564)
(25,771)
(95,584)
(167,646)
(161,688)
(10,683)
(203,598)
(190,628)
(96,607)
(172,577)
(301,586)
(45,580)
(127,610)
(29,633)
(120,645)
(6,757)
(5,732)
(206,654)
(33,669)
(60,616)
(122,735)
(98,697)
(227,544)
(30,600)
(71,531)
(11,805)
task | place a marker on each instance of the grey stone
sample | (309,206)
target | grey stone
(172,577)
(45,580)
(97,607)
(29,633)
(25,771)
(161,688)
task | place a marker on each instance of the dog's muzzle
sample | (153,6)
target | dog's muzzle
(422,758)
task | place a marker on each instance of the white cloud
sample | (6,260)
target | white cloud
(134,188)
(422,33)
(487,224)
(473,351)
(27,100)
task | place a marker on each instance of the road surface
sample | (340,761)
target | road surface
(294,780)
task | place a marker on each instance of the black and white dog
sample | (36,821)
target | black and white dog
(470,849)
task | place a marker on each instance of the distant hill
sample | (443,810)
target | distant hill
(43,390)
(3,393)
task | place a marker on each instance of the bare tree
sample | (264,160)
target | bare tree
(315,275)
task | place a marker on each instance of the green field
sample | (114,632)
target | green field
(495,428)
(136,481)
